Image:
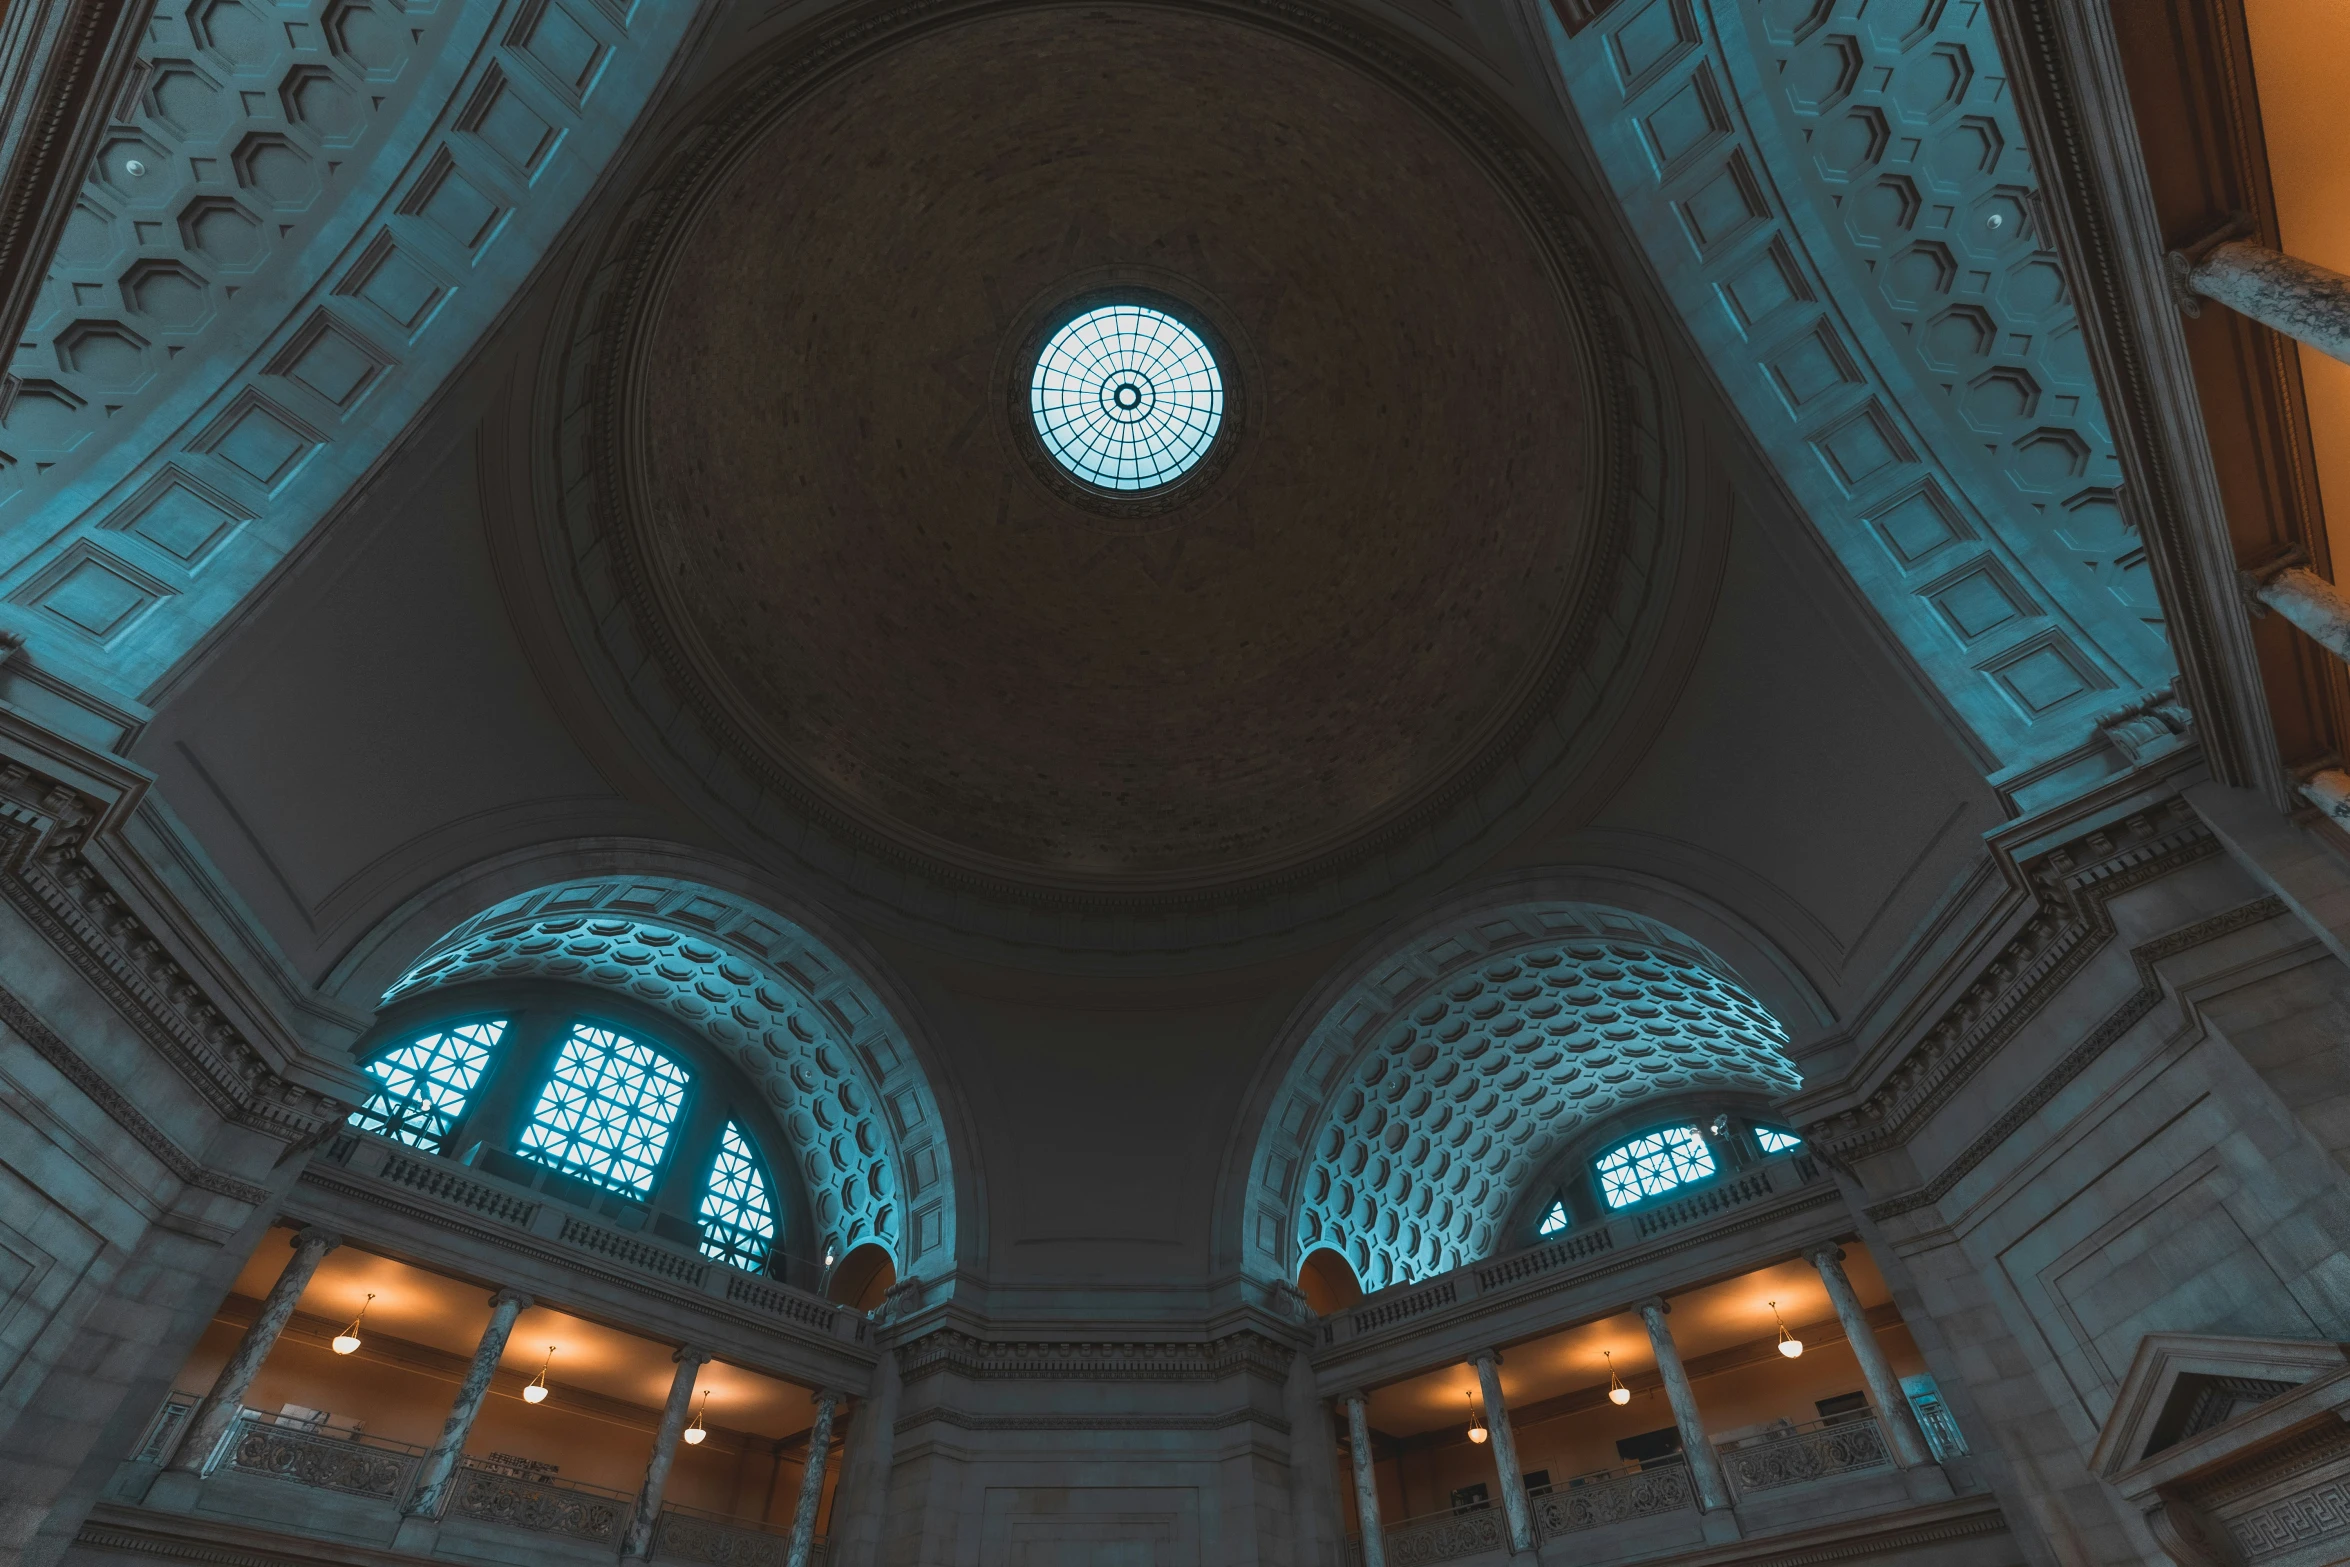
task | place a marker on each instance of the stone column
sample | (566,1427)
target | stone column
(803,1518)
(638,1542)
(226,1401)
(1704,1467)
(440,1465)
(868,1458)
(1504,1443)
(1901,1426)
(2311,603)
(2295,297)
(1358,1434)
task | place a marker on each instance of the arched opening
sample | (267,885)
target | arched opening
(862,1278)
(1327,1283)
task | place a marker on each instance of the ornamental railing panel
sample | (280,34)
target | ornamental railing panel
(1443,1537)
(359,1465)
(540,1503)
(1612,1496)
(688,1534)
(1808,1452)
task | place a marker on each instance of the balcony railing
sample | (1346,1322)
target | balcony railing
(1845,1445)
(291,1450)
(1612,1496)
(688,1534)
(491,1493)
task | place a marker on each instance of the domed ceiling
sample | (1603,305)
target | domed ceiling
(857,572)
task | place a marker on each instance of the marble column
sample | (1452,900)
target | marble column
(638,1542)
(803,1518)
(1704,1467)
(1893,1411)
(226,1401)
(2296,297)
(1358,1435)
(440,1465)
(2312,604)
(1504,1443)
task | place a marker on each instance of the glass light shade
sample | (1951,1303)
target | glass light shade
(694,1435)
(1478,1433)
(1619,1395)
(536,1393)
(1791,1347)
(346,1343)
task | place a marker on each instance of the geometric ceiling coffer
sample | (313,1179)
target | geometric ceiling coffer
(1433,1092)
(859,1115)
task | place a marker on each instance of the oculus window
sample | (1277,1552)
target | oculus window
(738,1220)
(1776,1141)
(419,1090)
(607,1110)
(1126,398)
(1652,1165)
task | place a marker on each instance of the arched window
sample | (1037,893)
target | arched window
(1555,1220)
(1651,1165)
(1775,1141)
(738,1219)
(607,1110)
(421,1087)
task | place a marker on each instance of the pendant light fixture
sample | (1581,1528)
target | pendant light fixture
(1617,1393)
(1477,1431)
(536,1393)
(695,1434)
(1789,1344)
(347,1341)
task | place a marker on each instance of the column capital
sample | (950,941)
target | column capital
(1656,1303)
(828,1395)
(1826,1255)
(520,1301)
(1351,1399)
(312,1237)
(688,1355)
(1484,1355)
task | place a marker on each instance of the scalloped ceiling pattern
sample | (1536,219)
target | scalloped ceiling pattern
(830,1059)
(1471,1081)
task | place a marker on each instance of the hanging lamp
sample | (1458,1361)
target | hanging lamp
(536,1393)
(695,1434)
(1789,1344)
(1617,1393)
(347,1341)
(1477,1431)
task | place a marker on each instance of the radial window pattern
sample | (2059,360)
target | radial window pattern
(420,1089)
(1554,1221)
(1652,1165)
(1774,1141)
(606,1110)
(738,1220)
(1127,398)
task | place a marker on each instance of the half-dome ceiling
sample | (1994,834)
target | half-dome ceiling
(864,585)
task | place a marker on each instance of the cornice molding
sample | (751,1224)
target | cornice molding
(962,1421)
(967,1355)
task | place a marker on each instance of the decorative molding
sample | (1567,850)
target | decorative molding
(962,1421)
(47,876)
(76,1069)
(966,1355)
(2074,883)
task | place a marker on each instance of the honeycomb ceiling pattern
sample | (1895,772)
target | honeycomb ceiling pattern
(846,1089)
(1474,1056)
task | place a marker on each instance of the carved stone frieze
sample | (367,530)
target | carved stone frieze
(1208,1360)
(962,1421)
(48,876)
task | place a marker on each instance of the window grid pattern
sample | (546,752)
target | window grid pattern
(1652,1165)
(1775,1141)
(738,1220)
(1126,397)
(1553,1221)
(420,1089)
(607,1110)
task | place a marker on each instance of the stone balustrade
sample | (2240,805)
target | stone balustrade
(544,1504)
(1612,1496)
(1814,1451)
(688,1534)
(291,1450)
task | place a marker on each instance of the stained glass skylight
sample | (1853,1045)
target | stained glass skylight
(738,1220)
(1775,1141)
(420,1088)
(607,1110)
(1653,1165)
(1127,398)
(1553,1221)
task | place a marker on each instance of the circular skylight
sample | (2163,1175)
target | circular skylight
(1127,398)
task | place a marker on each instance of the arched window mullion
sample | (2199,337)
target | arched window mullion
(737,1209)
(494,1117)
(607,1111)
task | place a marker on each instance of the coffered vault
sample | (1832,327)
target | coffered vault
(846,1088)
(1446,1078)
